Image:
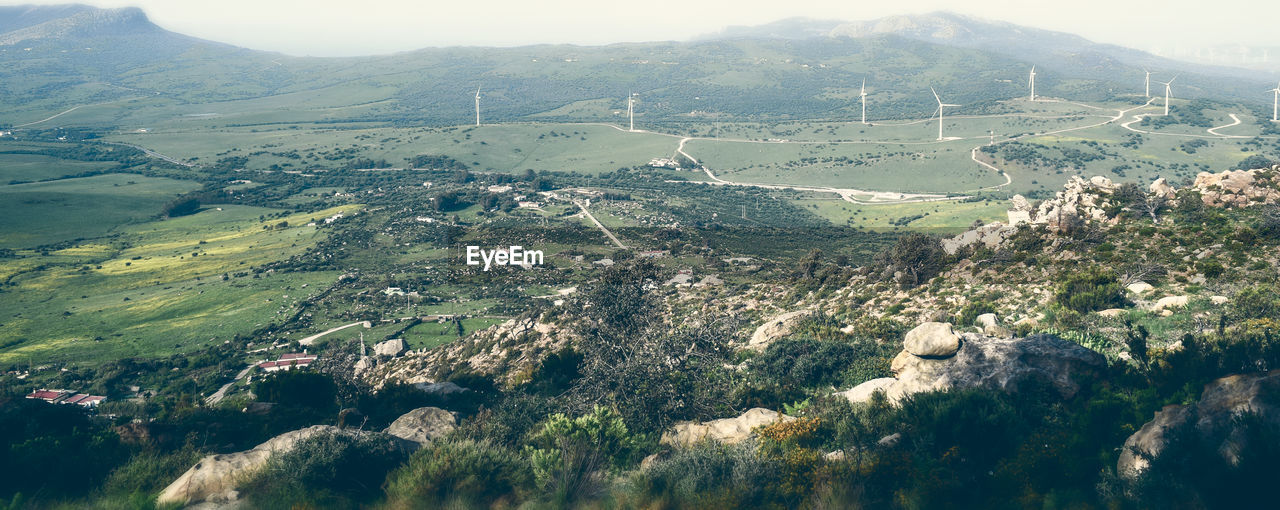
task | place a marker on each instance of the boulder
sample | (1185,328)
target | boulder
(1161,188)
(932,339)
(1211,421)
(776,328)
(1139,287)
(726,430)
(864,391)
(1170,302)
(990,325)
(390,348)
(1218,300)
(215,476)
(423,424)
(1020,203)
(990,235)
(1151,438)
(444,389)
(1112,312)
(986,362)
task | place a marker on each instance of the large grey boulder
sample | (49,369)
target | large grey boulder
(1211,420)
(217,475)
(776,328)
(934,339)
(727,430)
(390,348)
(986,362)
(423,424)
(990,325)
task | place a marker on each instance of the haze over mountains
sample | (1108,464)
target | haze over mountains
(57,57)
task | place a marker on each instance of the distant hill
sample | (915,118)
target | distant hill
(57,57)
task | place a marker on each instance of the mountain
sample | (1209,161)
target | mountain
(790,28)
(61,57)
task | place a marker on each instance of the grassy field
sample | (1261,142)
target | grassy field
(935,217)
(157,287)
(18,168)
(41,213)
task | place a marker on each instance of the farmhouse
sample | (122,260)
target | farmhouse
(288,362)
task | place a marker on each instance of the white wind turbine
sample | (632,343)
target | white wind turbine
(1031,82)
(941,105)
(863,94)
(1166,95)
(1275,104)
(1148,82)
(477,106)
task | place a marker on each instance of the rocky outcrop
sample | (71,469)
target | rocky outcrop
(1161,188)
(1168,302)
(390,348)
(776,328)
(1211,420)
(216,476)
(727,430)
(932,339)
(989,235)
(422,425)
(1238,188)
(987,362)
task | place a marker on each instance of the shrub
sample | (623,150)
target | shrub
(325,471)
(1089,291)
(1257,302)
(709,475)
(460,474)
(569,455)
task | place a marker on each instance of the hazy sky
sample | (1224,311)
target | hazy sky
(357,27)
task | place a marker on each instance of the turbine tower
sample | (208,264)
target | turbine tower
(631,111)
(863,94)
(940,107)
(1166,95)
(477,106)
(1148,82)
(1031,82)
(1275,104)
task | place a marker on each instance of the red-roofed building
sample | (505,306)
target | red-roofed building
(287,362)
(51,396)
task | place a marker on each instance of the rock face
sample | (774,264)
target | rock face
(983,361)
(1139,287)
(989,235)
(1239,188)
(1211,419)
(423,424)
(776,328)
(1161,188)
(390,348)
(932,339)
(216,475)
(727,430)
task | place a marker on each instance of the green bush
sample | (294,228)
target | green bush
(1089,291)
(570,455)
(464,473)
(709,475)
(334,470)
(1257,302)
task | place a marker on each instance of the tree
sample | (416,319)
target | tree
(651,372)
(919,257)
(181,206)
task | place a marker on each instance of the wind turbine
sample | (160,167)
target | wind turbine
(1275,104)
(1148,82)
(940,106)
(1032,83)
(863,94)
(477,106)
(1166,95)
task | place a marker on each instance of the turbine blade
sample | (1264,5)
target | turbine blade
(935,95)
